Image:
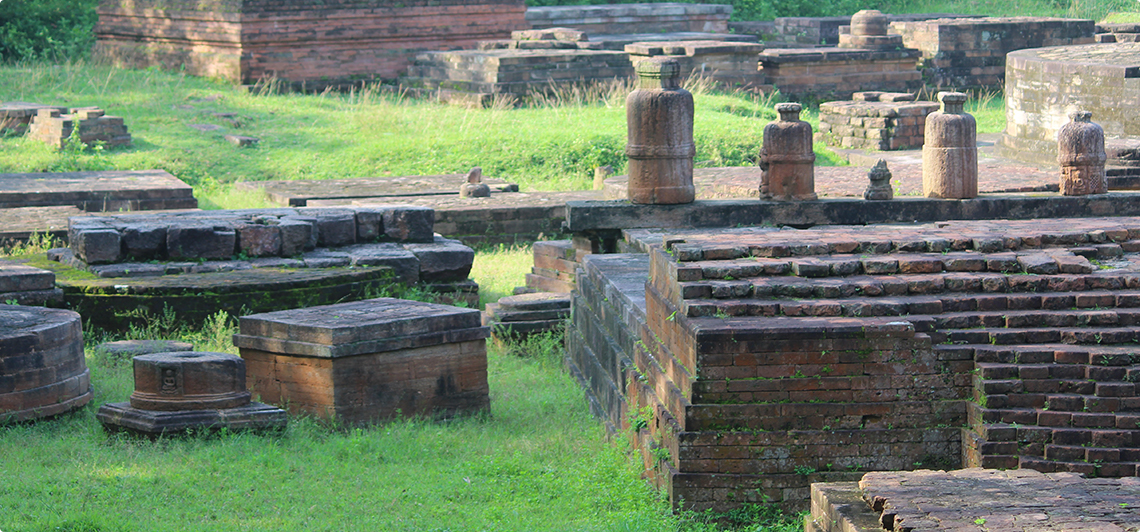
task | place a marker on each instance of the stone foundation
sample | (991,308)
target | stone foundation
(16,116)
(874,125)
(89,124)
(113,190)
(732,64)
(971,53)
(483,75)
(973,499)
(368,361)
(41,354)
(826,30)
(633,18)
(1040,94)
(1112,33)
(335,43)
(837,73)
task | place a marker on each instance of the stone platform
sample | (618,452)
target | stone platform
(1040,94)
(837,73)
(97,191)
(298,193)
(764,352)
(25,285)
(976,499)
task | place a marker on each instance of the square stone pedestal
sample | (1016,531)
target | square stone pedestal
(368,361)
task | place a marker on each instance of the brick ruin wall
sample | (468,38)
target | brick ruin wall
(633,18)
(756,361)
(837,73)
(336,41)
(970,53)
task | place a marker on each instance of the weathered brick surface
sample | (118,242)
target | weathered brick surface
(89,123)
(368,361)
(876,125)
(42,369)
(633,18)
(112,190)
(838,72)
(730,63)
(1040,95)
(965,53)
(336,42)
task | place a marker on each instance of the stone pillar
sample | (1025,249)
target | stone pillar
(950,151)
(868,31)
(1081,155)
(787,162)
(659,115)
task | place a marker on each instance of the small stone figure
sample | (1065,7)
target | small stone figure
(787,161)
(1081,155)
(880,187)
(950,151)
(474,187)
(659,118)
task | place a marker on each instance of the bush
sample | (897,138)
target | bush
(53,30)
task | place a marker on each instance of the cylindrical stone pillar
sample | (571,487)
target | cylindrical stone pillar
(189,380)
(950,152)
(1081,155)
(659,115)
(787,161)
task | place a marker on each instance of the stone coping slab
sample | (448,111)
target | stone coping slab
(254,416)
(612,216)
(977,499)
(97,191)
(360,327)
(299,192)
(830,54)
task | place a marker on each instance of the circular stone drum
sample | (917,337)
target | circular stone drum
(42,369)
(189,380)
(1044,85)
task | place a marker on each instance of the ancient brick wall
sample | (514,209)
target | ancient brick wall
(874,125)
(837,73)
(967,53)
(313,42)
(633,18)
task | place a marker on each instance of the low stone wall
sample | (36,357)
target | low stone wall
(733,64)
(633,18)
(875,125)
(1110,33)
(837,73)
(331,42)
(970,53)
(482,75)
(826,30)
(1040,94)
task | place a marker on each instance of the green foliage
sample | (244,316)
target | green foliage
(46,29)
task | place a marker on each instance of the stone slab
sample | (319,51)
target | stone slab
(300,192)
(97,191)
(16,277)
(369,326)
(972,499)
(131,348)
(255,416)
(16,116)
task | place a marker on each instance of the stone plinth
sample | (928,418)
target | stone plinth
(368,361)
(837,73)
(875,125)
(315,45)
(189,390)
(734,64)
(967,53)
(633,18)
(868,31)
(16,116)
(42,369)
(55,128)
(522,315)
(113,190)
(27,285)
(1040,94)
(973,499)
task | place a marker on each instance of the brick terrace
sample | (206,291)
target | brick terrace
(771,358)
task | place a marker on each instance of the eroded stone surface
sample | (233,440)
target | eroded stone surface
(42,369)
(97,191)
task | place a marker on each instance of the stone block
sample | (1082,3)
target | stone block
(443,260)
(97,245)
(144,241)
(368,361)
(409,223)
(297,234)
(259,240)
(403,262)
(200,242)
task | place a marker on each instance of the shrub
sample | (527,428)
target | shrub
(46,29)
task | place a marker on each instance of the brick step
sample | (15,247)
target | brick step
(1023,336)
(1053,397)
(824,416)
(1100,355)
(1123,421)
(1089,469)
(896,299)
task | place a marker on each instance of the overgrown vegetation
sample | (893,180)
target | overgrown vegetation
(52,30)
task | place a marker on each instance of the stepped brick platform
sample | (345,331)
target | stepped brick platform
(90,124)
(825,30)
(1121,32)
(971,53)
(837,73)
(872,124)
(555,262)
(522,315)
(770,358)
(42,369)
(975,499)
(115,190)
(16,116)
(368,361)
(633,18)
(26,285)
(1040,94)
(335,42)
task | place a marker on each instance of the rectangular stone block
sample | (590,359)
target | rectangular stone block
(200,242)
(368,361)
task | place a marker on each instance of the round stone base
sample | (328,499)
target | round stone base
(41,358)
